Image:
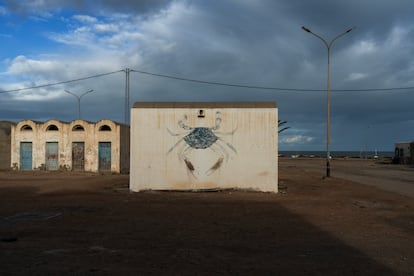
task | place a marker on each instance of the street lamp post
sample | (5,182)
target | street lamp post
(328,122)
(79,99)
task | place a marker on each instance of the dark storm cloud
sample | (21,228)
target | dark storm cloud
(329,16)
(261,43)
(91,6)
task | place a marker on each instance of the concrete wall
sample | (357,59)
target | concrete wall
(76,131)
(404,153)
(234,145)
(87,136)
(118,136)
(5,144)
(124,148)
(35,132)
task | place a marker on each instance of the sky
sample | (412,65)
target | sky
(257,47)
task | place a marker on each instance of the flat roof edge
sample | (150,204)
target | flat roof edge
(268,104)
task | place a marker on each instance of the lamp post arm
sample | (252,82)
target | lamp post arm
(339,36)
(327,45)
(79,99)
(318,36)
(73,94)
(87,92)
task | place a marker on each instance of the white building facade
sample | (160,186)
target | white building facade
(202,146)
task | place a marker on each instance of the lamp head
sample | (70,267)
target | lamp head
(306,29)
(350,29)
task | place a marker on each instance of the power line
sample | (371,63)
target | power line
(61,82)
(268,88)
(209,83)
(221,83)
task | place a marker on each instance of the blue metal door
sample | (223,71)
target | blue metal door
(25,155)
(104,156)
(52,156)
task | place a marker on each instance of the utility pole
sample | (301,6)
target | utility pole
(126,118)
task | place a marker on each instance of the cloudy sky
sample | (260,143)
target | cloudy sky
(81,45)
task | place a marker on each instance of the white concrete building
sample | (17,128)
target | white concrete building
(78,145)
(195,146)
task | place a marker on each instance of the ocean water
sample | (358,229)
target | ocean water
(352,154)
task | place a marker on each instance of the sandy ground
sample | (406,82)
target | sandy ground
(360,221)
(378,173)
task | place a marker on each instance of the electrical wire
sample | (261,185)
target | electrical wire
(208,83)
(61,82)
(269,88)
(221,83)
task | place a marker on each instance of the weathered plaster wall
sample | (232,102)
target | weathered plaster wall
(112,136)
(404,152)
(124,148)
(243,156)
(86,136)
(5,144)
(66,134)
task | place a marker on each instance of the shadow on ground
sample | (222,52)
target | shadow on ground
(115,232)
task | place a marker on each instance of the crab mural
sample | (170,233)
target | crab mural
(202,138)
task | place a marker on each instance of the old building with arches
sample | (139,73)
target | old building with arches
(77,146)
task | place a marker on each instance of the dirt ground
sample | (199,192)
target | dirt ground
(358,222)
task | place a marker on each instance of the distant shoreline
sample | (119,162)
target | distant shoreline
(338,154)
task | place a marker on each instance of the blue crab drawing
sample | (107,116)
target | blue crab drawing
(203,138)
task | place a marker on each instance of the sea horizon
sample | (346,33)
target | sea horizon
(335,153)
